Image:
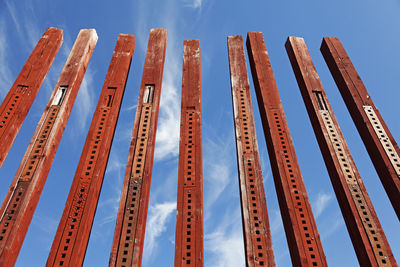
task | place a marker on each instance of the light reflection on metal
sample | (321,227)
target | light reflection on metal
(256,230)
(364,228)
(21,200)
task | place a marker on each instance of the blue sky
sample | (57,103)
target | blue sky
(368,30)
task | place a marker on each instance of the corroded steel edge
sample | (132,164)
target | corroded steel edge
(114,84)
(355,95)
(300,227)
(72,76)
(30,79)
(240,81)
(152,74)
(304,67)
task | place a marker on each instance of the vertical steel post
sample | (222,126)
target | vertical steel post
(256,230)
(300,227)
(366,233)
(129,233)
(189,249)
(21,199)
(19,99)
(380,144)
(72,237)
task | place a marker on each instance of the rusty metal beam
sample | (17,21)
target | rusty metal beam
(256,230)
(365,230)
(24,193)
(300,227)
(129,233)
(381,146)
(19,99)
(72,237)
(189,249)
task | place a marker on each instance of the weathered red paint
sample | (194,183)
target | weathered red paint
(189,249)
(300,227)
(129,233)
(19,99)
(256,230)
(366,233)
(380,144)
(21,199)
(70,243)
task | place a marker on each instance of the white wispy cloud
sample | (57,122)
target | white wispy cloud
(47,226)
(115,174)
(193,3)
(225,243)
(24,19)
(156,225)
(13,14)
(84,101)
(167,140)
(5,74)
(322,201)
(218,167)
(336,221)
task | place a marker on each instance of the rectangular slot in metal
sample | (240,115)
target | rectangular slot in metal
(110,96)
(320,100)
(21,89)
(148,93)
(59,97)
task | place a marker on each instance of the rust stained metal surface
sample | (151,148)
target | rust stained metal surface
(365,230)
(256,229)
(300,227)
(19,99)
(380,144)
(21,199)
(189,249)
(127,248)
(70,242)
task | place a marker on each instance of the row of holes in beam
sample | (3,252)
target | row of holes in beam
(354,188)
(40,142)
(8,219)
(11,107)
(258,236)
(127,239)
(297,196)
(188,251)
(383,138)
(76,211)
(189,169)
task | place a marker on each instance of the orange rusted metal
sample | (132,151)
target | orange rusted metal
(129,233)
(70,242)
(300,227)
(256,230)
(380,144)
(364,228)
(19,99)
(21,199)
(189,249)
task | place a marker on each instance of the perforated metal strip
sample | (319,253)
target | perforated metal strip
(296,194)
(189,199)
(8,218)
(383,138)
(12,105)
(76,211)
(257,225)
(126,245)
(363,210)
